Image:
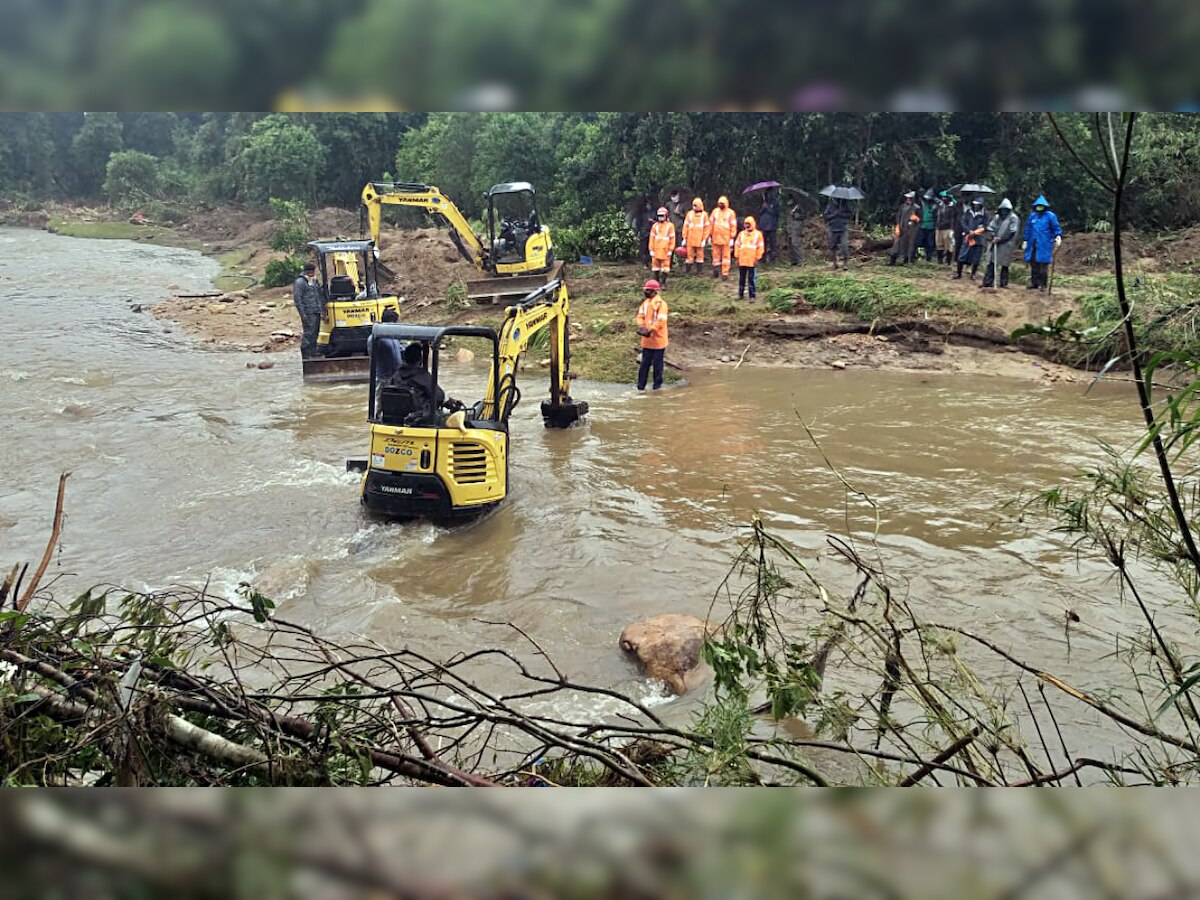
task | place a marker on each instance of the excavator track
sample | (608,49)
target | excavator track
(491,290)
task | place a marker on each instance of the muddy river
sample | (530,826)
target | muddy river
(190,468)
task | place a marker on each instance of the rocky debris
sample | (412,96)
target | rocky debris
(284,332)
(464,355)
(137,308)
(837,364)
(266,364)
(668,648)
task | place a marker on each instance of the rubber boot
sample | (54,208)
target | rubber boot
(1004,277)
(958,274)
(716,272)
(662,279)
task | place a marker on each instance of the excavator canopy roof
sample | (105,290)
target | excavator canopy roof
(432,333)
(510,187)
(341,246)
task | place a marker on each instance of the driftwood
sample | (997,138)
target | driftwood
(56,530)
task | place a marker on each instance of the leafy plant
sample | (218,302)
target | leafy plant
(291,230)
(456,296)
(280,272)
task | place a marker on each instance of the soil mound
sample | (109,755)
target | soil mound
(425,263)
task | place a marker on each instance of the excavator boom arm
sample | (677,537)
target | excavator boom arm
(547,307)
(427,197)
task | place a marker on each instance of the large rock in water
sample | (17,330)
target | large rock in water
(668,648)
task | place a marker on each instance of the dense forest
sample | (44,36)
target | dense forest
(586,165)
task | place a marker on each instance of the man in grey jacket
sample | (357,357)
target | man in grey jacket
(1002,234)
(310,303)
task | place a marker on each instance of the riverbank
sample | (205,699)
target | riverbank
(916,318)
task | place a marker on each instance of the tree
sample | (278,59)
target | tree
(97,140)
(281,158)
(131,176)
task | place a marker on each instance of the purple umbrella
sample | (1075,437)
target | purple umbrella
(761,186)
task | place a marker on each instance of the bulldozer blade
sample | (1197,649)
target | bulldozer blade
(492,289)
(331,369)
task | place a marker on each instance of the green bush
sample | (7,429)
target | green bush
(282,271)
(606,236)
(570,243)
(291,230)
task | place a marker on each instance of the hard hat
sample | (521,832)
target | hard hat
(662,211)
(978,201)
(697,203)
(910,194)
(681,250)
(652,285)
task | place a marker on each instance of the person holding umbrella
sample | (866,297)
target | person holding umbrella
(973,224)
(837,223)
(837,219)
(1042,236)
(768,220)
(925,238)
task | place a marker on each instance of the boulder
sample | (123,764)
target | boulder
(464,355)
(668,647)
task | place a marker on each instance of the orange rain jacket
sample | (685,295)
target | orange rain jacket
(723,224)
(749,246)
(696,227)
(662,239)
(652,315)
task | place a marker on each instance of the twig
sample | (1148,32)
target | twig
(743,356)
(54,533)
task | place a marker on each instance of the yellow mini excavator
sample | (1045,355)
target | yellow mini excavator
(515,257)
(451,462)
(353,303)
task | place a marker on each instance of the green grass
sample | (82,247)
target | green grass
(873,297)
(107,230)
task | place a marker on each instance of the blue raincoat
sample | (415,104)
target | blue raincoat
(1040,231)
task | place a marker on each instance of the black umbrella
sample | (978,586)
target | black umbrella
(971,187)
(798,197)
(842,192)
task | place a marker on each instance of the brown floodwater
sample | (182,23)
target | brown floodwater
(191,469)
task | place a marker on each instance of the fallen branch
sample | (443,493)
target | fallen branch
(50,545)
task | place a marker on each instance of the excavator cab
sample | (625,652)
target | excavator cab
(444,460)
(353,302)
(520,243)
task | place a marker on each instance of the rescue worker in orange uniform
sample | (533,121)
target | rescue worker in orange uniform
(748,250)
(652,326)
(662,246)
(696,230)
(723,229)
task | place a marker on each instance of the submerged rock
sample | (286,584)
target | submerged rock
(668,648)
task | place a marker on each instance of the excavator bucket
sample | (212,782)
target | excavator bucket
(497,287)
(331,369)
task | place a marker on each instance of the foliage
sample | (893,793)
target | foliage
(130,177)
(456,296)
(281,272)
(281,157)
(98,139)
(291,230)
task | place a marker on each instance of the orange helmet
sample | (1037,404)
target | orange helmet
(748,222)
(652,285)
(697,203)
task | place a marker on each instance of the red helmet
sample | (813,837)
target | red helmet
(652,285)
(662,211)
(681,251)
